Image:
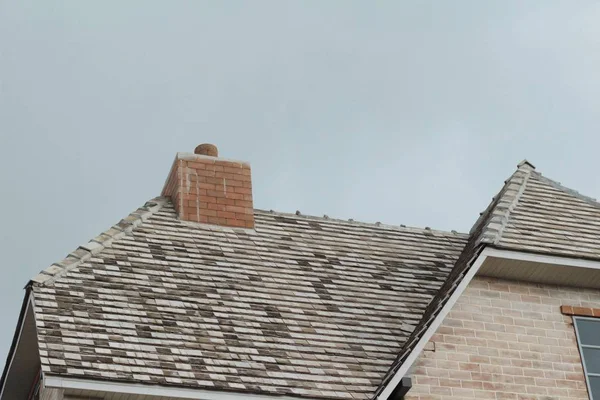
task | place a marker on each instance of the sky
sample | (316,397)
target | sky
(404,112)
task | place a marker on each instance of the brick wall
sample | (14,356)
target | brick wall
(505,340)
(211,190)
(51,394)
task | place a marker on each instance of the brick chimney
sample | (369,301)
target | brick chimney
(207,189)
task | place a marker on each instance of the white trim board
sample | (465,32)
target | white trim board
(541,258)
(155,390)
(412,357)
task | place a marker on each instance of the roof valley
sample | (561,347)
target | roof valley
(487,230)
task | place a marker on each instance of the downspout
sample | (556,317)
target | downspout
(403,387)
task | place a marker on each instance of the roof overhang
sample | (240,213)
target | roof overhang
(23,362)
(541,268)
(505,264)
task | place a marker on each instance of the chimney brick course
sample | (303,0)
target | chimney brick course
(211,190)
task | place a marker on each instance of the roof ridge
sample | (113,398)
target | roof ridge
(505,217)
(495,217)
(361,223)
(99,243)
(557,185)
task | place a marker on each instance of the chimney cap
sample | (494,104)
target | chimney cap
(207,149)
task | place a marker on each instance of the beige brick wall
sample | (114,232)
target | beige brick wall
(51,394)
(505,340)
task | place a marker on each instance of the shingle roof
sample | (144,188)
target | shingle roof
(301,305)
(551,219)
(531,213)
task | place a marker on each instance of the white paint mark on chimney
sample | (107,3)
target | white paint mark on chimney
(187,179)
(225,186)
(180,171)
(197,196)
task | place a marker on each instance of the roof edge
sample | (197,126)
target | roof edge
(99,243)
(559,186)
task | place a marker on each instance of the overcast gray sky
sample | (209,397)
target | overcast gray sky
(401,112)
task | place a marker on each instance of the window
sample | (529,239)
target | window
(588,336)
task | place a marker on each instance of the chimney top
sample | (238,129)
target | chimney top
(207,149)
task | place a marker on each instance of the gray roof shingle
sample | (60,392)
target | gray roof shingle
(551,219)
(301,305)
(538,215)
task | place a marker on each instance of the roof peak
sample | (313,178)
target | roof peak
(525,165)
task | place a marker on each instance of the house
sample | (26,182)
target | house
(197,295)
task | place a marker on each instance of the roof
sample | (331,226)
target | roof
(549,218)
(531,213)
(300,305)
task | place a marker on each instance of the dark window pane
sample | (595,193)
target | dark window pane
(595,386)
(589,331)
(592,360)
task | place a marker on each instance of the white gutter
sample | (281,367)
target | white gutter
(154,390)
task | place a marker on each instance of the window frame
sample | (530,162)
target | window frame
(580,347)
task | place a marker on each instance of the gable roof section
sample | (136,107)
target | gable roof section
(552,219)
(302,306)
(531,213)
